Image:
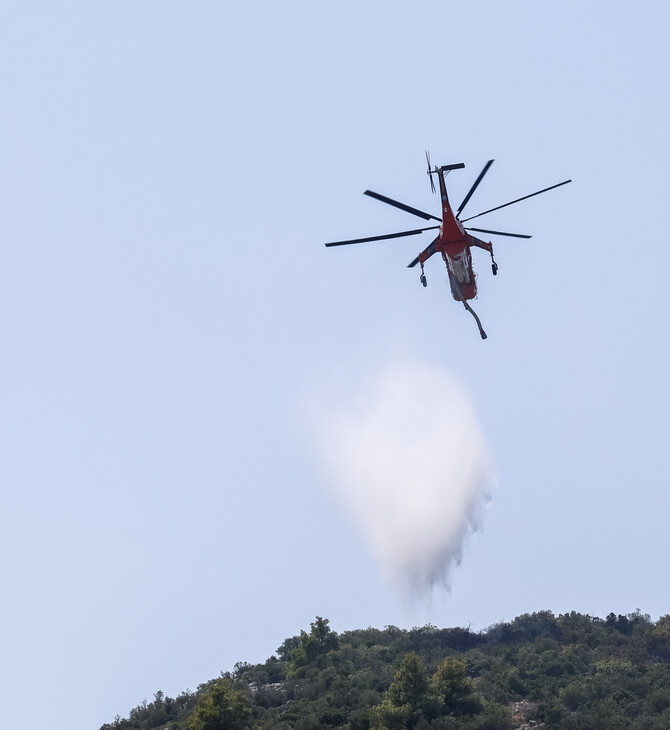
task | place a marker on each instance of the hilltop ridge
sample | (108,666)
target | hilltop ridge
(569,671)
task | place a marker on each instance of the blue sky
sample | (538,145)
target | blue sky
(169,173)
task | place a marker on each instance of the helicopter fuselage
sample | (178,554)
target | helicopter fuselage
(454,243)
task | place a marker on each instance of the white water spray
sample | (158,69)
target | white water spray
(407,458)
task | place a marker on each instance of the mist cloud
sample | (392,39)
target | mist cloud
(407,459)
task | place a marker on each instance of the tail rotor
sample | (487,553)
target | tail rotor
(430,172)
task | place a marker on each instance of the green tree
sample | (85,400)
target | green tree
(410,686)
(454,691)
(659,640)
(387,716)
(319,642)
(324,635)
(495,717)
(287,647)
(221,708)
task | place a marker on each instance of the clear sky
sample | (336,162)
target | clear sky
(169,173)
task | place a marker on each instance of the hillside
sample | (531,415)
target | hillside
(570,671)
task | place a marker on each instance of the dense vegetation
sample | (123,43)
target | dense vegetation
(570,671)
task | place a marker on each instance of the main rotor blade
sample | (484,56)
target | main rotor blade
(382,238)
(518,200)
(402,206)
(474,187)
(498,233)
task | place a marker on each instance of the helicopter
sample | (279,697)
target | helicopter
(453,240)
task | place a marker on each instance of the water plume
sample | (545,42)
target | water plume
(407,458)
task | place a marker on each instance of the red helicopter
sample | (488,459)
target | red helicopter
(452,240)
